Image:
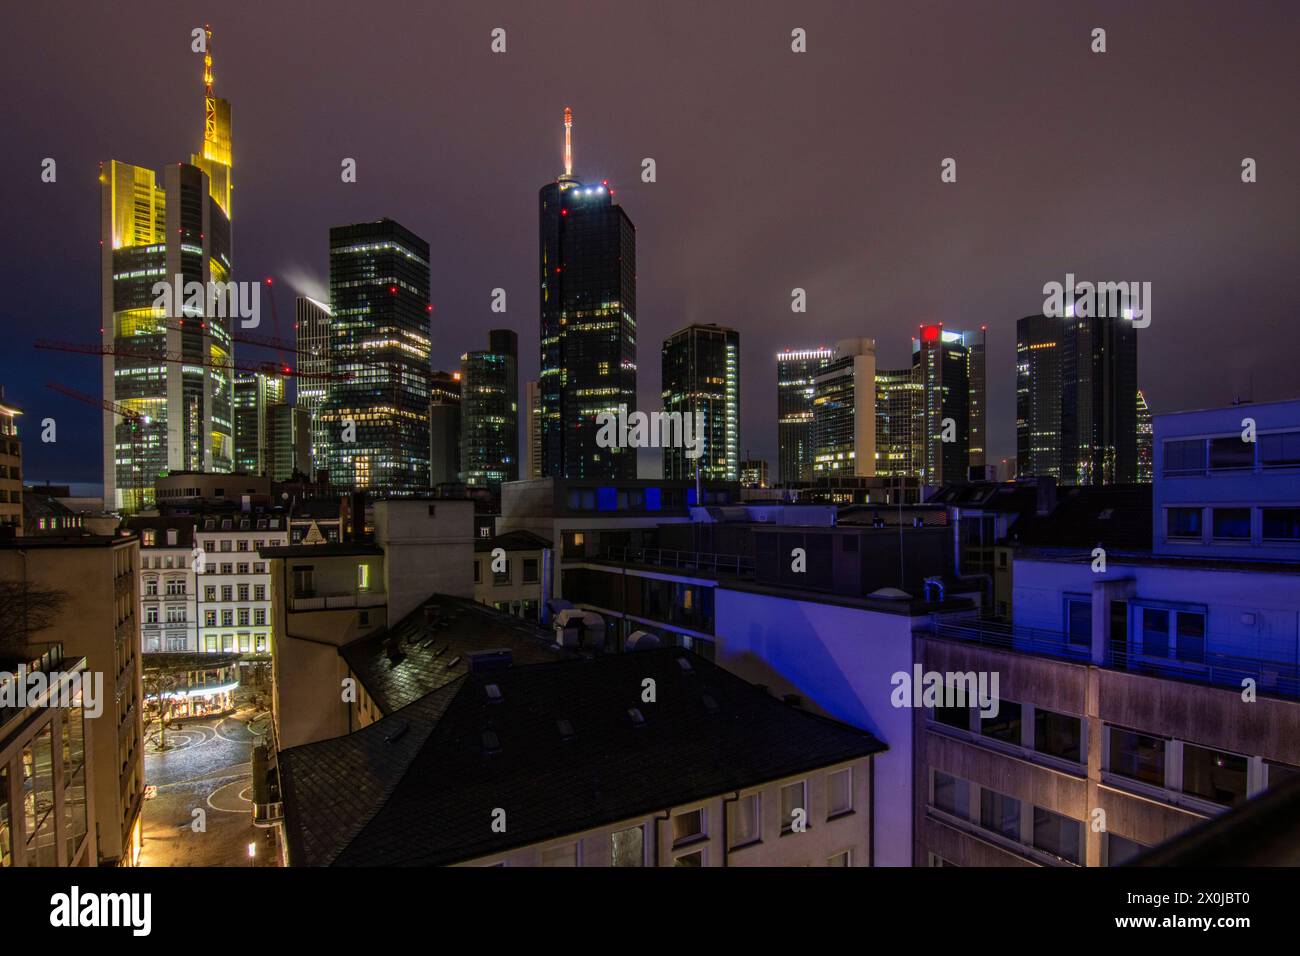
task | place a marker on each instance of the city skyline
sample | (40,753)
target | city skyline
(924,267)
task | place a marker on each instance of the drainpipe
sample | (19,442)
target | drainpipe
(656,821)
(725,842)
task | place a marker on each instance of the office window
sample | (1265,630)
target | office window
(530,570)
(1078,621)
(1188,642)
(1214,775)
(958,717)
(841,859)
(1280,773)
(363,577)
(951,795)
(1000,813)
(503,576)
(1230,452)
(794,797)
(690,859)
(1058,735)
(37,796)
(564,855)
(1137,756)
(1058,835)
(1183,523)
(688,826)
(746,821)
(1232,524)
(1120,850)
(839,792)
(1185,457)
(1155,632)
(1279,450)
(627,847)
(1281,524)
(1005,726)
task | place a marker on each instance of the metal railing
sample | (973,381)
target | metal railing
(329,602)
(682,560)
(1279,678)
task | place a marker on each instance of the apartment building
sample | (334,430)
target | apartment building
(46,776)
(97,617)
(510,570)
(710,771)
(11,467)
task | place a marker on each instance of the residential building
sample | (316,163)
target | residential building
(512,571)
(11,467)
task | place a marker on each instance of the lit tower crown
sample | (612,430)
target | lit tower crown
(216,157)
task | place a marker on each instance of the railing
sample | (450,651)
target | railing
(265,814)
(683,560)
(1280,678)
(330,602)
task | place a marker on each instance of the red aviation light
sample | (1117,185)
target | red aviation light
(930,333)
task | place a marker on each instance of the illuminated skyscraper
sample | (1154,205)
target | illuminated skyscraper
(255,393)
(1038,396)
(312,333)
(444,428)
(533,430)
(172,369)
(944,362)
(844,412)
(375,421)
(588,323)
(489,411)
(701,373)
(1144,438)
(899,422)
(795,371)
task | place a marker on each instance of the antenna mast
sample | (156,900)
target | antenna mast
(568,142)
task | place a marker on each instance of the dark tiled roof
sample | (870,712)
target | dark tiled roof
(183,526)
(427,797)
(340,549)
(1113,516)
(513,541)
(434,643)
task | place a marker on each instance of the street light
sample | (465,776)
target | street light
(252,853)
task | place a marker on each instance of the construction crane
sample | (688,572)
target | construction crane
(135,419)
(154,354)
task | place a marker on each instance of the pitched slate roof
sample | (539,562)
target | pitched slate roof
(433,644)
(426,795)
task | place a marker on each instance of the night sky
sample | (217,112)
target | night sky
(775,170)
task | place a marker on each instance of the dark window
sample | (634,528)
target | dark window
(1000,813)
(1281,524)
(1214,775)
(1137,756)
(1191,636)
(958,717)
(952,795)
(1232,523)
(1058,735)
(1279,450)
(1078,621)
(1183,522)
(1120,850)
(1005,726)
(1058,835)
(1231,452)
(1185,457)
(1155,632)
(530,570)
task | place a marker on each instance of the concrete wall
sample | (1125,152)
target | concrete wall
(428,548)
(839,660)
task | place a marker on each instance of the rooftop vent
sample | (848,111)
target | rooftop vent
(495,659)
(565,728)
(453,662)
(638,718)
(491,742)
(493,692)
(710,704)
(685,664)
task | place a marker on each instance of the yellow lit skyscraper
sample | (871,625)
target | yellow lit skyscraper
(173,370)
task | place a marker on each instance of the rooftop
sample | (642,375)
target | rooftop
(1116,516)
(554,745)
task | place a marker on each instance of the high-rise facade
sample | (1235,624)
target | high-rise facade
(374,420)
(1099,443)
(444,428)
(588,323)
(701,379)
(533,427)
(173,370)
(288,442)
(11,467)
(975,375)
(311,327)
(255,393)
(899,422)
(1038,396)
(844,412)
(489,411)
(795,371)
(944,361)
(1144,438)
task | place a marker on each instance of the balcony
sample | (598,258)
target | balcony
(313,601)
(1217,669)
(733,564)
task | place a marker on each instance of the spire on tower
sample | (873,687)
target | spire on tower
(568,142)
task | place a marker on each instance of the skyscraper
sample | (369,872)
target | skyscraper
(588,322)
(312,333)
(899,422)
(975,376)
(255,393)
(844,412)
(795,371)
(174,370)
(533,429)
(1038,396)
(701,373)
(444,428)
(375,423)
(943,363)
(1099,443)
(489,411)
(1144,439)
(288,441)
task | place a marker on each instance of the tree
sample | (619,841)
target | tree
(25,610)
(159,684)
